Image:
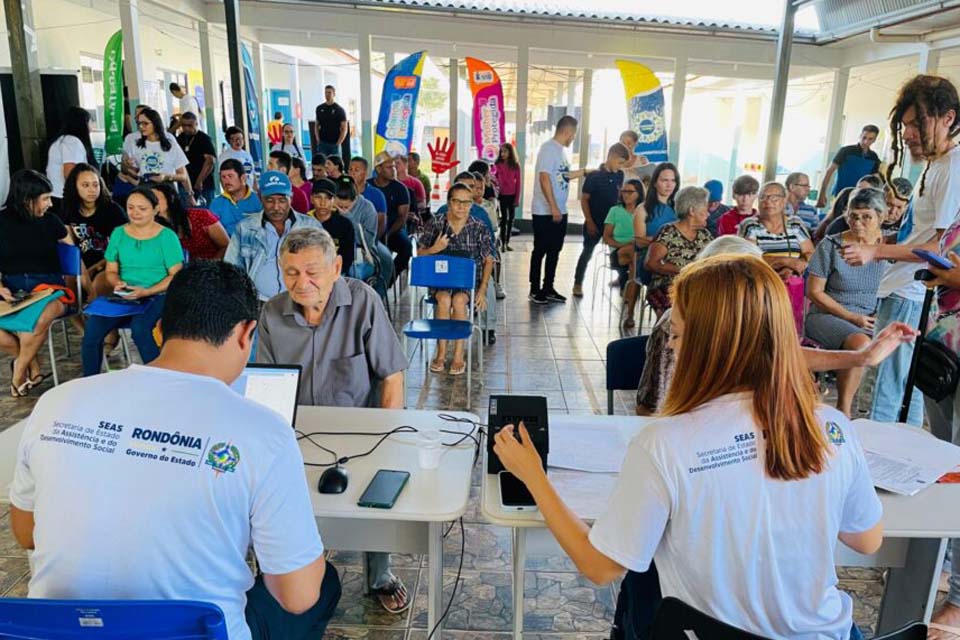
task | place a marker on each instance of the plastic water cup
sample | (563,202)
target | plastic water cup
(429,449)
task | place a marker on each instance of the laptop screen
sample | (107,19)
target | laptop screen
(273,385)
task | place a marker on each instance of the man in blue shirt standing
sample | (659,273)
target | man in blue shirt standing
(851,163)
(601,191)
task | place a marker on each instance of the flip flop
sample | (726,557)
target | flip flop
(458,369)
(436,366)
(393,592)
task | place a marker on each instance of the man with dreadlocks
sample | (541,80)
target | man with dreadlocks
(925,121)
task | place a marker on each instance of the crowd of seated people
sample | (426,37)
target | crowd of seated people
(794,293)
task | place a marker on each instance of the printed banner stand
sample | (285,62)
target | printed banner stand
(488,109)
(113,94)
(645,109)
(398,106)
(253,110)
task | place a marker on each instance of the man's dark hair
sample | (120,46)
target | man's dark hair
(871,128)
(930,97)
(745,184)
(26,187)
(464,175)
(330,86)
(619,150)
(277,115)
(206,300)
(479,166)
(282,158)
(413,155)
(188,115)
(872,179)
(231,131)
(361,160)
(318,160)
(566,122)
(174,87)
(336,161)
(346,190)
(232,164)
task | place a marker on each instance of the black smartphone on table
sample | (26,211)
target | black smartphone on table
(384,489)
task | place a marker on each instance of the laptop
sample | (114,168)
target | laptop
(276,386)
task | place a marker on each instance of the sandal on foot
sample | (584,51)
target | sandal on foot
(436,366)
(458,369)
(393,597)
(629,322)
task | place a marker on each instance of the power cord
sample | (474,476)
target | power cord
(456,582)
(309,437)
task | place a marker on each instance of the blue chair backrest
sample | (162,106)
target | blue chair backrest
(443,272)
(70,260)
(23,618)
(625,360)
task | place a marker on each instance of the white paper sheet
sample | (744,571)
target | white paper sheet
(587,494)
(599,448)
(904,459)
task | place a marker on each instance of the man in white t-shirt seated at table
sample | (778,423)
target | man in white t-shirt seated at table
(153,482)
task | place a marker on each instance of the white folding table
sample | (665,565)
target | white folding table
(916,530)
(415,523)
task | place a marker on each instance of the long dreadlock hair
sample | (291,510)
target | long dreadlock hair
(930,96)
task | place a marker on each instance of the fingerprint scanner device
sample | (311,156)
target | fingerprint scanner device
(276,386)
(511,409)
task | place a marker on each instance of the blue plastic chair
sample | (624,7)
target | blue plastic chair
(625,360)
(29,618)
(444,272)
(108,308)
(70,265)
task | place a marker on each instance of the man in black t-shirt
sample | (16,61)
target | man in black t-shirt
(323,200)
(398,208)
(201,155)
(330,128)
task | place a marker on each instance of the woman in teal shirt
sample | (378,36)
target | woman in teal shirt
(618,233)
(142,258)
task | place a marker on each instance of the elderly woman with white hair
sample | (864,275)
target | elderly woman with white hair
(659,362)
(677,245)
(845,298)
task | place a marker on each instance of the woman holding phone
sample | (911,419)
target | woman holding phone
(142,258)
(740,387)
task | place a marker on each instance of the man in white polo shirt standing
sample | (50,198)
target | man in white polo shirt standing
(153,482)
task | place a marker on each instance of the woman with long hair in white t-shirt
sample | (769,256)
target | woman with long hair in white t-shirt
(720,491)
(71,147)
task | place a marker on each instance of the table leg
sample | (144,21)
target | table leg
(519,560)
(911,590)
(435,577)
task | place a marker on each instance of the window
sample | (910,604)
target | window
(91,88)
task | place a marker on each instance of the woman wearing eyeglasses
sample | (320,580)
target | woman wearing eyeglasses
(155,157)
(618,233)
(845,298)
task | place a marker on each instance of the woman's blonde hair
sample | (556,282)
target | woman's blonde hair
(739,335)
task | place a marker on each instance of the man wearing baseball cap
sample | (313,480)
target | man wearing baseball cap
(398,208)
(323,198)
(255,245)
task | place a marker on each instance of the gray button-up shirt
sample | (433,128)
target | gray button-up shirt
(345,356)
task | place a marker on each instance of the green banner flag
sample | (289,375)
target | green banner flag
(113,93)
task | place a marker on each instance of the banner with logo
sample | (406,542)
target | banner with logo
(253,110)
(645,109)
(488,110)
(113,94)
(398,106)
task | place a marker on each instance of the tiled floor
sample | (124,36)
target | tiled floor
(556,351)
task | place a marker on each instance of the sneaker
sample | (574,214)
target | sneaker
(501,294)
(509,248)
(537,297)
(491,337)
(552,296)
(577,290)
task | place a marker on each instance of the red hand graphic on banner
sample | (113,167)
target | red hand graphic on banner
(442,155)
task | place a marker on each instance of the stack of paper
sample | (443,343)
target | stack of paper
(599,448)
(904,459)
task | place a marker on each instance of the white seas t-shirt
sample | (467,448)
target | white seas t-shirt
(244,157)
(152,159)
(291,149)
(754,552)
(158,492)
(935,210)
(63,150)
(552,160)
(190,103)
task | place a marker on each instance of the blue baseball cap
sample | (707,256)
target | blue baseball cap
(715,187)
(274,183)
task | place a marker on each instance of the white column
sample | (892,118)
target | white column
(209,115)
(455,112)
(929,61)
(676,108)
(841,79)
(366,96)
(571,90)
(132,60)
(585,120)
(295,95)
(256,52)
(523,81)
(389,59)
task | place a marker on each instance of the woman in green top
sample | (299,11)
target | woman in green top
(618,233)
(142,258)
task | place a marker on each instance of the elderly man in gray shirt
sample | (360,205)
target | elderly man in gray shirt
(338,330)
